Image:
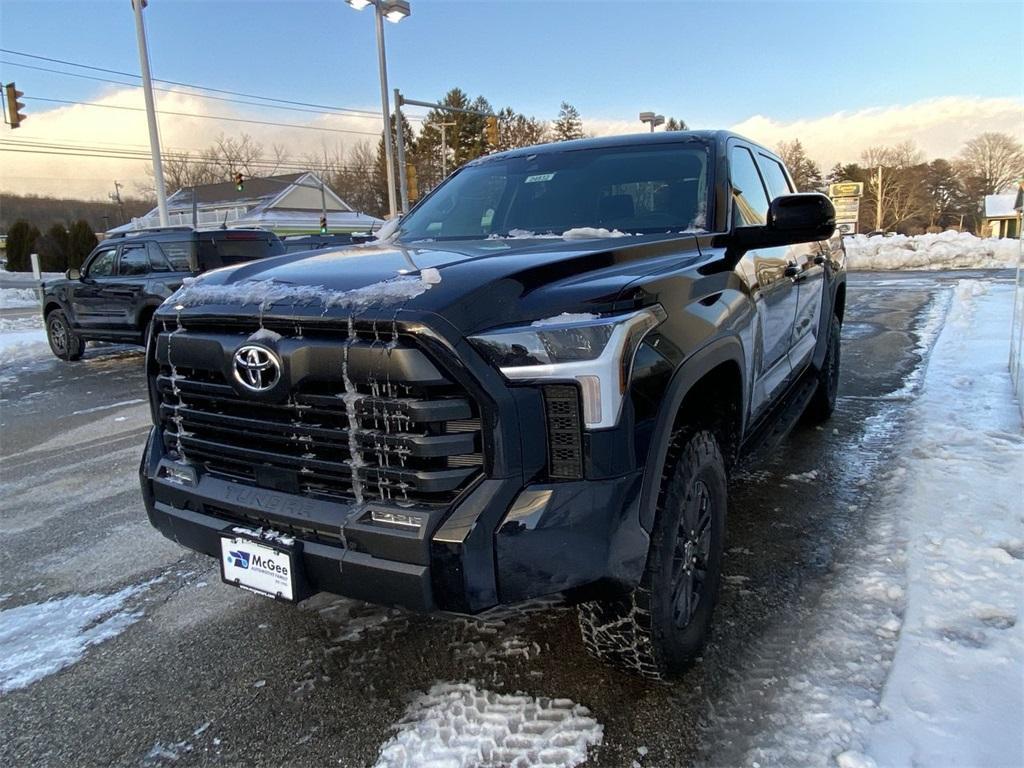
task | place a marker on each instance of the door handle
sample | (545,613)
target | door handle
(792,270)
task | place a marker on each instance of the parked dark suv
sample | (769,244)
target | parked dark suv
(128,276)
(535,383)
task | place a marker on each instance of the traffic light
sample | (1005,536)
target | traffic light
(492,130)
(239,182)
(323,225)
(410,180)
(14,107)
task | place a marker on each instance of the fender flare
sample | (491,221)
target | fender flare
(723,349)
(828,306)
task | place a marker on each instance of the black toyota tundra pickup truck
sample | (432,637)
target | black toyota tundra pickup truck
(127,276)
(536,382)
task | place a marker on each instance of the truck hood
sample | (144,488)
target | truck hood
(473,285)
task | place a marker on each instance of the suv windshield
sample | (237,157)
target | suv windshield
(636,190)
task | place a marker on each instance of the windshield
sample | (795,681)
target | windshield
(631,190)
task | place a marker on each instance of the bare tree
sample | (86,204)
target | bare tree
(991,162)
(894,188)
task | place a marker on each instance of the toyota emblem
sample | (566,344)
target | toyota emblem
(257,368)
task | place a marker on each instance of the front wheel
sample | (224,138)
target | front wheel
(656,629)
(64,342)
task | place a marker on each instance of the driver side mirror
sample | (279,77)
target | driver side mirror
(798,218)
(73,274)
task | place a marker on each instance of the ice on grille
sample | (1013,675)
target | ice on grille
(461,726)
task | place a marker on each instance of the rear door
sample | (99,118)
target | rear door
(768,271)
(810,274)
(125,292)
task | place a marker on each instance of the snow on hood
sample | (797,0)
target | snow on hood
(267,293)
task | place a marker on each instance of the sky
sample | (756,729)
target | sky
(837,75)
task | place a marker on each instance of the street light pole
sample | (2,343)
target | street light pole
(147,91)
(389,161)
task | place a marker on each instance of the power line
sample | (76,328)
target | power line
(350,113)
(324,107)
(44,148)
(202,117)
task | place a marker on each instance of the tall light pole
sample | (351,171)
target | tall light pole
(147,92)
(652,119)
(394,11)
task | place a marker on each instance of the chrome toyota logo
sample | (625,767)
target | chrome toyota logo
(257,368)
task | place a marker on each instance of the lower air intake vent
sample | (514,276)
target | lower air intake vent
(565,444)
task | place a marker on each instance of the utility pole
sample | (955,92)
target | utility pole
(403,183)
(116,197)
(878,199)
(147,91)
(389,158)
(444,149)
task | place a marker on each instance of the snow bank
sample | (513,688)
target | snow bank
(23,345)
(460,726)
(18,298)
(948,250)
(39,639)
(955,694)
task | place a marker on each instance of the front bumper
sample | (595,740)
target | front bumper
(502,543)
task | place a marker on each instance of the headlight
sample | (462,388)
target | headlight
(596,352)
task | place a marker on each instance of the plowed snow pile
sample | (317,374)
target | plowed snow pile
(947,250)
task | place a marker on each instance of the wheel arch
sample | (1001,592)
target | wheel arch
(714,374)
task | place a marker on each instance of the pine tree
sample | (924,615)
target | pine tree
(676,125)
(805,172)
(568,126)
(82,241)
(21,241)
(53,249)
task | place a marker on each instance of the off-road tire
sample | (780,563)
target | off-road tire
(639,631)
(823,401)
(64,342)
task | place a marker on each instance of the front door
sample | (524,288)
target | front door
(87,294)
(770,275)
(806,260)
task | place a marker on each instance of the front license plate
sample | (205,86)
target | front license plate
(257,567)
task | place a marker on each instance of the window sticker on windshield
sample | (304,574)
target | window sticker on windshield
(539,177)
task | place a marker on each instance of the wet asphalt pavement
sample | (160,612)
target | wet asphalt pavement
(211,675)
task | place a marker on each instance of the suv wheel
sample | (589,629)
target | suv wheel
(656,629)
(64,342)
(823,402)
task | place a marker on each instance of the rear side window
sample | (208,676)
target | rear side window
(774,177)
(750,202)
(157,261)
(222,251)
(134,261)
(180,254)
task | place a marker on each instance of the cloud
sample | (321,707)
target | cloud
(113,129)
(938,126)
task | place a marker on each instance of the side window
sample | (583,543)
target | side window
(750,202)
(102,264)
(157,260)
(134,261)
(774,177)
(179,254)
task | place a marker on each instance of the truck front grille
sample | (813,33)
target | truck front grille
(399,430)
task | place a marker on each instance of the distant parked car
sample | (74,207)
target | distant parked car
(128,276)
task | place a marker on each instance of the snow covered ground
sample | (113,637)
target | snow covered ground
(39,639)
(22,339)
(946,250)
(955,693)
(18,298)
